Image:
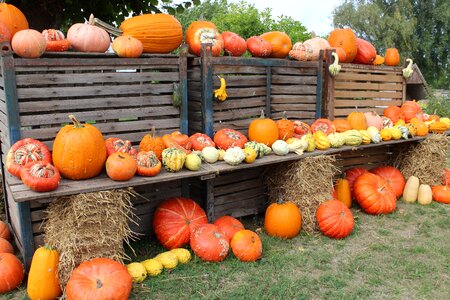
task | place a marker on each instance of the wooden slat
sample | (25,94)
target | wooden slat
(367,94)
(239,103)
(343,76)
(233,188)
(288,107)
(344,112)
(352,85)
(292,99)
(220,69)
(294,89)
(366,103)
(312,70)
(301,80)
(245,207)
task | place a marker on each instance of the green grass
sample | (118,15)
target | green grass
(404,255)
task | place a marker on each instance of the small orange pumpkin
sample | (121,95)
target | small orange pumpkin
(263,130)
(246,245)
(28,43)
(283,219)
(281,43)
(357,120)
(127,46)
(392,57)
(12,272)
(285,128)
(421,128)
(120,166)
(341,125)
(379,60)
(152,142)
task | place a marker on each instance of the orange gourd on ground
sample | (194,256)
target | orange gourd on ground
(5,246)
(263,130)
(12,272)
(246,245)
(4,231)
(346,39)
(343,192)
(335,219)
(441,193)
(79,151)
(228,225)
(374,194)
(283,219)
(281,43)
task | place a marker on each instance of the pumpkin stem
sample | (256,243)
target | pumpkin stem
(109,28)
(153,132)
(262,114)
(284,115)
(76,123)
(46,246)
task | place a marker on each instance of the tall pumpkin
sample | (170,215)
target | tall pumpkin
(281,43)
(79,151)
(263,130)
(43,282)
(346,39)
(343,192)
(99,278)
(175,219)
(13,18)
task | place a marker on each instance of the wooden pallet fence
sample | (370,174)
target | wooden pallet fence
(253,84)
(123,97)
(363,88)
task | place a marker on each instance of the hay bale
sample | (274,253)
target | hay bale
(89,225)
(307,183)
(426,160)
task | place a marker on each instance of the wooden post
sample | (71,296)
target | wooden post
(207,90)
(268,112)
(25,237)
(328,90)
(319,86)
(208,191)
(183,89)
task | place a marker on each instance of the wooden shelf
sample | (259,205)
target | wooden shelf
(21,193)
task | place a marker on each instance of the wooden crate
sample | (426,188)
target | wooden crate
(123,97)
(253,84)
(363,88)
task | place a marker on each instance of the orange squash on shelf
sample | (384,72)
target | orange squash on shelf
(281,43)
(346,39)
(263,130)
(392,57)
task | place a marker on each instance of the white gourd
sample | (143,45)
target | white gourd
(234,156)
(280,147)
(411,190)
(210,154)
(425,195)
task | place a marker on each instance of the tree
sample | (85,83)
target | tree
(420,29)
(242,18)
(61,14)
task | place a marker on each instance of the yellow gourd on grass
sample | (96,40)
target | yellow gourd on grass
(183,255)
(411,190)
(168,259)
(137,271)
(153,267)
(425,195)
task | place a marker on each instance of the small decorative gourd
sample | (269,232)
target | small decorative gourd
(280,147)
(183,255)
(168,259)
(353,137)
(250,155)
(311,142)
(137,271)
(297,145)
(234,156)
(210,154)
(336,139)
(425,195)
(396,133)
(322,142)
(438,127)
(260,148)
(385,134)
(411,190)
(193,162)
(366,137)
(404,130)
(173,159)
(153,267)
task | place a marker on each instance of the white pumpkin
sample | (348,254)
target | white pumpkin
(210,154)
(234,156)
(280,147)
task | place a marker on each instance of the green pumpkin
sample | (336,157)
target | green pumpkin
(173,159)
(260,148)
(336,139)
(353,137)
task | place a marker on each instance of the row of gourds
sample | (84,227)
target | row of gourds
(81,152)
(162,33)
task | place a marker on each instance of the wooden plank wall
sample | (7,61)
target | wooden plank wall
(4,132)
(366,158)
(292,89)
(144,207)
(123,97)
(367,88)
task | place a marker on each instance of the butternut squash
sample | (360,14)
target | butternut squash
(425,195)
(411,190)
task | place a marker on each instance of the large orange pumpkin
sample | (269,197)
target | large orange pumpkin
(281,43)
(209,243)
(200,32)
(392,57)
(441,193)
(99,278)
(159,33)
(335,219)
(11,271)
(263,130)
(79,151)
(29,43)
(374,194)
(13,18)
(175,219)
(283,220)
(246,245)
(346,39)
(393,176)
(357,120)
(394,113)
(366,53)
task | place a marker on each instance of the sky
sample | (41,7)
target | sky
(315,15)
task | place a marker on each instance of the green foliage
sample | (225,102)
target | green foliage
(242,18)
(438,105)
(420,29)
